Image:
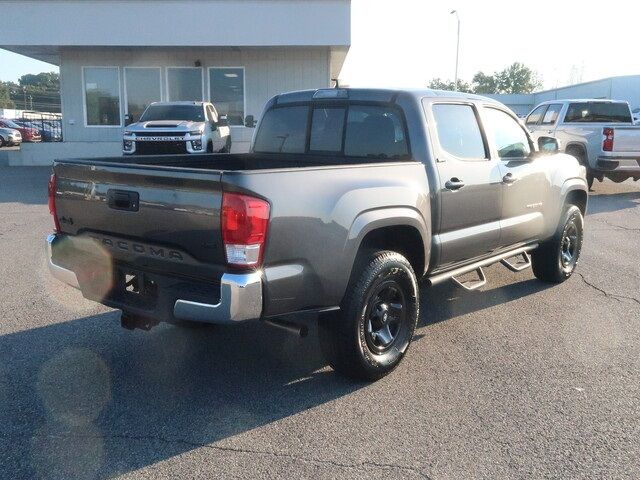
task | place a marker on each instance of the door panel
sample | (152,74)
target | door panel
(524,181)
(469,188)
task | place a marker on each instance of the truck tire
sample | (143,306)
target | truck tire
(227,146)
(555,260)
(582,160)
(370,334)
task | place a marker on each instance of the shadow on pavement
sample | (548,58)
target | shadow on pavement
(447,301)
(87,399)
(612,202)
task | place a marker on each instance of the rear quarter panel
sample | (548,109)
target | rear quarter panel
(319,217)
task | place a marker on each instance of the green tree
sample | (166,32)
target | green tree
(439,84)
(5,99)
(517,78)
(483,83)
(44,80)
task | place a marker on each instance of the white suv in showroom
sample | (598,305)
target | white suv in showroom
(177,127)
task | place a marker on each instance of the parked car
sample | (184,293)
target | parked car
(600,133)
(177,127)
(47,133)
(636,115)
(347,198)
(28,134)
(10,137)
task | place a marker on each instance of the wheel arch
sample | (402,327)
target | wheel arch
(399,229)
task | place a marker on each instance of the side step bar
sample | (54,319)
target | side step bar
(477,266)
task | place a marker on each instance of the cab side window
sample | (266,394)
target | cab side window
(458,131)
(509,137)
(535,116)
(551,114)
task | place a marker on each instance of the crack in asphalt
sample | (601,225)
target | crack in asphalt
(605,293)
(622,227)
(190,443)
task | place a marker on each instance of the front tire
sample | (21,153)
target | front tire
(555,260)
(368,338)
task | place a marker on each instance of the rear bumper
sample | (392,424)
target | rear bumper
(619,164)
(240,295)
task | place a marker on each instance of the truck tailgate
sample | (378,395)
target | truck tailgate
(627,139)
(150,217)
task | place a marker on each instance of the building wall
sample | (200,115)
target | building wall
(268,71)
(176,22)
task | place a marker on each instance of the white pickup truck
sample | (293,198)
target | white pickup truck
(600,133)
(177,128)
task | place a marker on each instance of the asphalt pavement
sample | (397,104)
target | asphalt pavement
(519,380)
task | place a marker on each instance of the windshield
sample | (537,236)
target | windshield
(10,124)
(598,112)
(194,113)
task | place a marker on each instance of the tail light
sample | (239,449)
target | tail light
(607,143)
(245,221)
(53,185)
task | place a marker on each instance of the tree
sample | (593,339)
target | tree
(517,78)
(484,83)
(5,99)
(44,80)
(439,84)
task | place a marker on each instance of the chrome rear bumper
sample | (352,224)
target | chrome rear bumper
(240,294)
(62,274)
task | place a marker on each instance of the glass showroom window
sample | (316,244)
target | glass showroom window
(142,87)
(184,84)
(227,92)
(102,96)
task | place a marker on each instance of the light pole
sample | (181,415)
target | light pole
(457,49)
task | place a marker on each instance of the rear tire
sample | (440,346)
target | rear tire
(556,259)
(369,336)
(227,146)
(582,160)
(1,142)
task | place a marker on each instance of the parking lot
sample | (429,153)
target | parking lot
(519,380)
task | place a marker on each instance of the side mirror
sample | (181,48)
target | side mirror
(128,119)
(548,145)
(223,121)
(249,121)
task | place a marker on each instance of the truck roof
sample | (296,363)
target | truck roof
(581,100)
(373,94)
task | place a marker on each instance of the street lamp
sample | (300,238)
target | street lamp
(457,48)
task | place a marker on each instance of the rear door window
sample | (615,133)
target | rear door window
(598,112)
(283,130)
(458,131)
(375,132)
(551,115)
(535,116)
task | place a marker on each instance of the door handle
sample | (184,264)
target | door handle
(509,178)
(454,184)
(123,200)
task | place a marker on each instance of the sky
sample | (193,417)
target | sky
(408,42)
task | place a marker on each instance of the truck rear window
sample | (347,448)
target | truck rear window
(598,112)
(370,131)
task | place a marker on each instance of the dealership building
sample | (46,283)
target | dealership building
(115,57)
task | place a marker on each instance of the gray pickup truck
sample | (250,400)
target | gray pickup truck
(347,199)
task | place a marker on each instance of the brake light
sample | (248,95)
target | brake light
(53,186)
(245,221)
(607,143)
